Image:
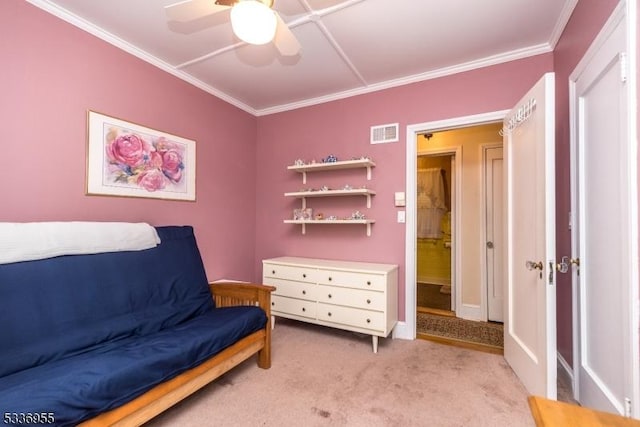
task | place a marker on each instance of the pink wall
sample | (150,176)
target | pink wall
(52,73)
(588,18)
(342,128)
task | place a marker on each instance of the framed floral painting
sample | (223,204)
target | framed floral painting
(126,159)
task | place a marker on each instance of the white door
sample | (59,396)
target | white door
(530,312)
(494,223)
(605,363)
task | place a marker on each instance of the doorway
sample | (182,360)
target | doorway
(434,232)
(453,169)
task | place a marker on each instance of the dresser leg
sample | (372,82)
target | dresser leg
(374,341)
(273,322)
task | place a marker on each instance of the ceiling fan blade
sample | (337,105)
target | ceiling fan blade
(284,40)
(190,10)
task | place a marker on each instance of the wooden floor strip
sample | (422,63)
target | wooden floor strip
(551,413)
(460,343)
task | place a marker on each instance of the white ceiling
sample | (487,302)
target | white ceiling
(348,46)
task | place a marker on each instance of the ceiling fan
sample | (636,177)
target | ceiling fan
(253,21)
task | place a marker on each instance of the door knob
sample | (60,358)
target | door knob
(490,245)
(534,265)
(565,263)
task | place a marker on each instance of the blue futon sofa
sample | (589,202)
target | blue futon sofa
(119,337)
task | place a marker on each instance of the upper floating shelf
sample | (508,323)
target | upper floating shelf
(344,164)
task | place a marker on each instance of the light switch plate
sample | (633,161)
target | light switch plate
(399,199)
(401,217)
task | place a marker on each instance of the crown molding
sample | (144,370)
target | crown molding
(562,22)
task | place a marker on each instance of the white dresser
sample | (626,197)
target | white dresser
(355,296)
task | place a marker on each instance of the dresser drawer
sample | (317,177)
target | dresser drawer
(287,288)
(370,300)
(351,316)
(287,272)
(353,280)
(287,305)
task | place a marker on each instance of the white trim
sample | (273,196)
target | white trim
(407,329)
(562,21)
(562,363)
(628,10)
(566,369)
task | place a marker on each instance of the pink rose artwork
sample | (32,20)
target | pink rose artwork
(143,161)
(130,150)
(151,180)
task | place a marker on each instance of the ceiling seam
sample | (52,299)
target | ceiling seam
(312,16)
(209,55)
(441,72)
(325,31)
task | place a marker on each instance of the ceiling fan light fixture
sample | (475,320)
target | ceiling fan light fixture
(253,22)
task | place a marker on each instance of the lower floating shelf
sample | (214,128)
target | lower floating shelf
(304,223)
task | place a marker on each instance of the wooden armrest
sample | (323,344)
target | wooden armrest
(228,294)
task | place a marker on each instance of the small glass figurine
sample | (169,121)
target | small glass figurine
(357,215)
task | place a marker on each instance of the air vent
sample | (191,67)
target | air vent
(384,133)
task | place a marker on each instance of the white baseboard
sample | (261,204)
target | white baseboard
(568,371)
(403,331)
(470,312)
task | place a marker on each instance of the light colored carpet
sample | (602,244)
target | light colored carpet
(326,377)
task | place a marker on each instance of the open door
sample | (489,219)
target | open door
(530,311)
(604,227)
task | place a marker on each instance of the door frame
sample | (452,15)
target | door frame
(625,9)
(407,329)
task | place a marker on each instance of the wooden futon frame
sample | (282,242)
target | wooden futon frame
(167,394)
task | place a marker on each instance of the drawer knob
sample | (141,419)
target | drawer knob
(304,292)
(368,320)
(304,275)
(273,272)
(329,314)
(273,303)
(368,301)
(330,279)
(329,295)
(304,309)
(369,282)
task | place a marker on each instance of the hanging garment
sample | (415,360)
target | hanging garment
(431,203)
